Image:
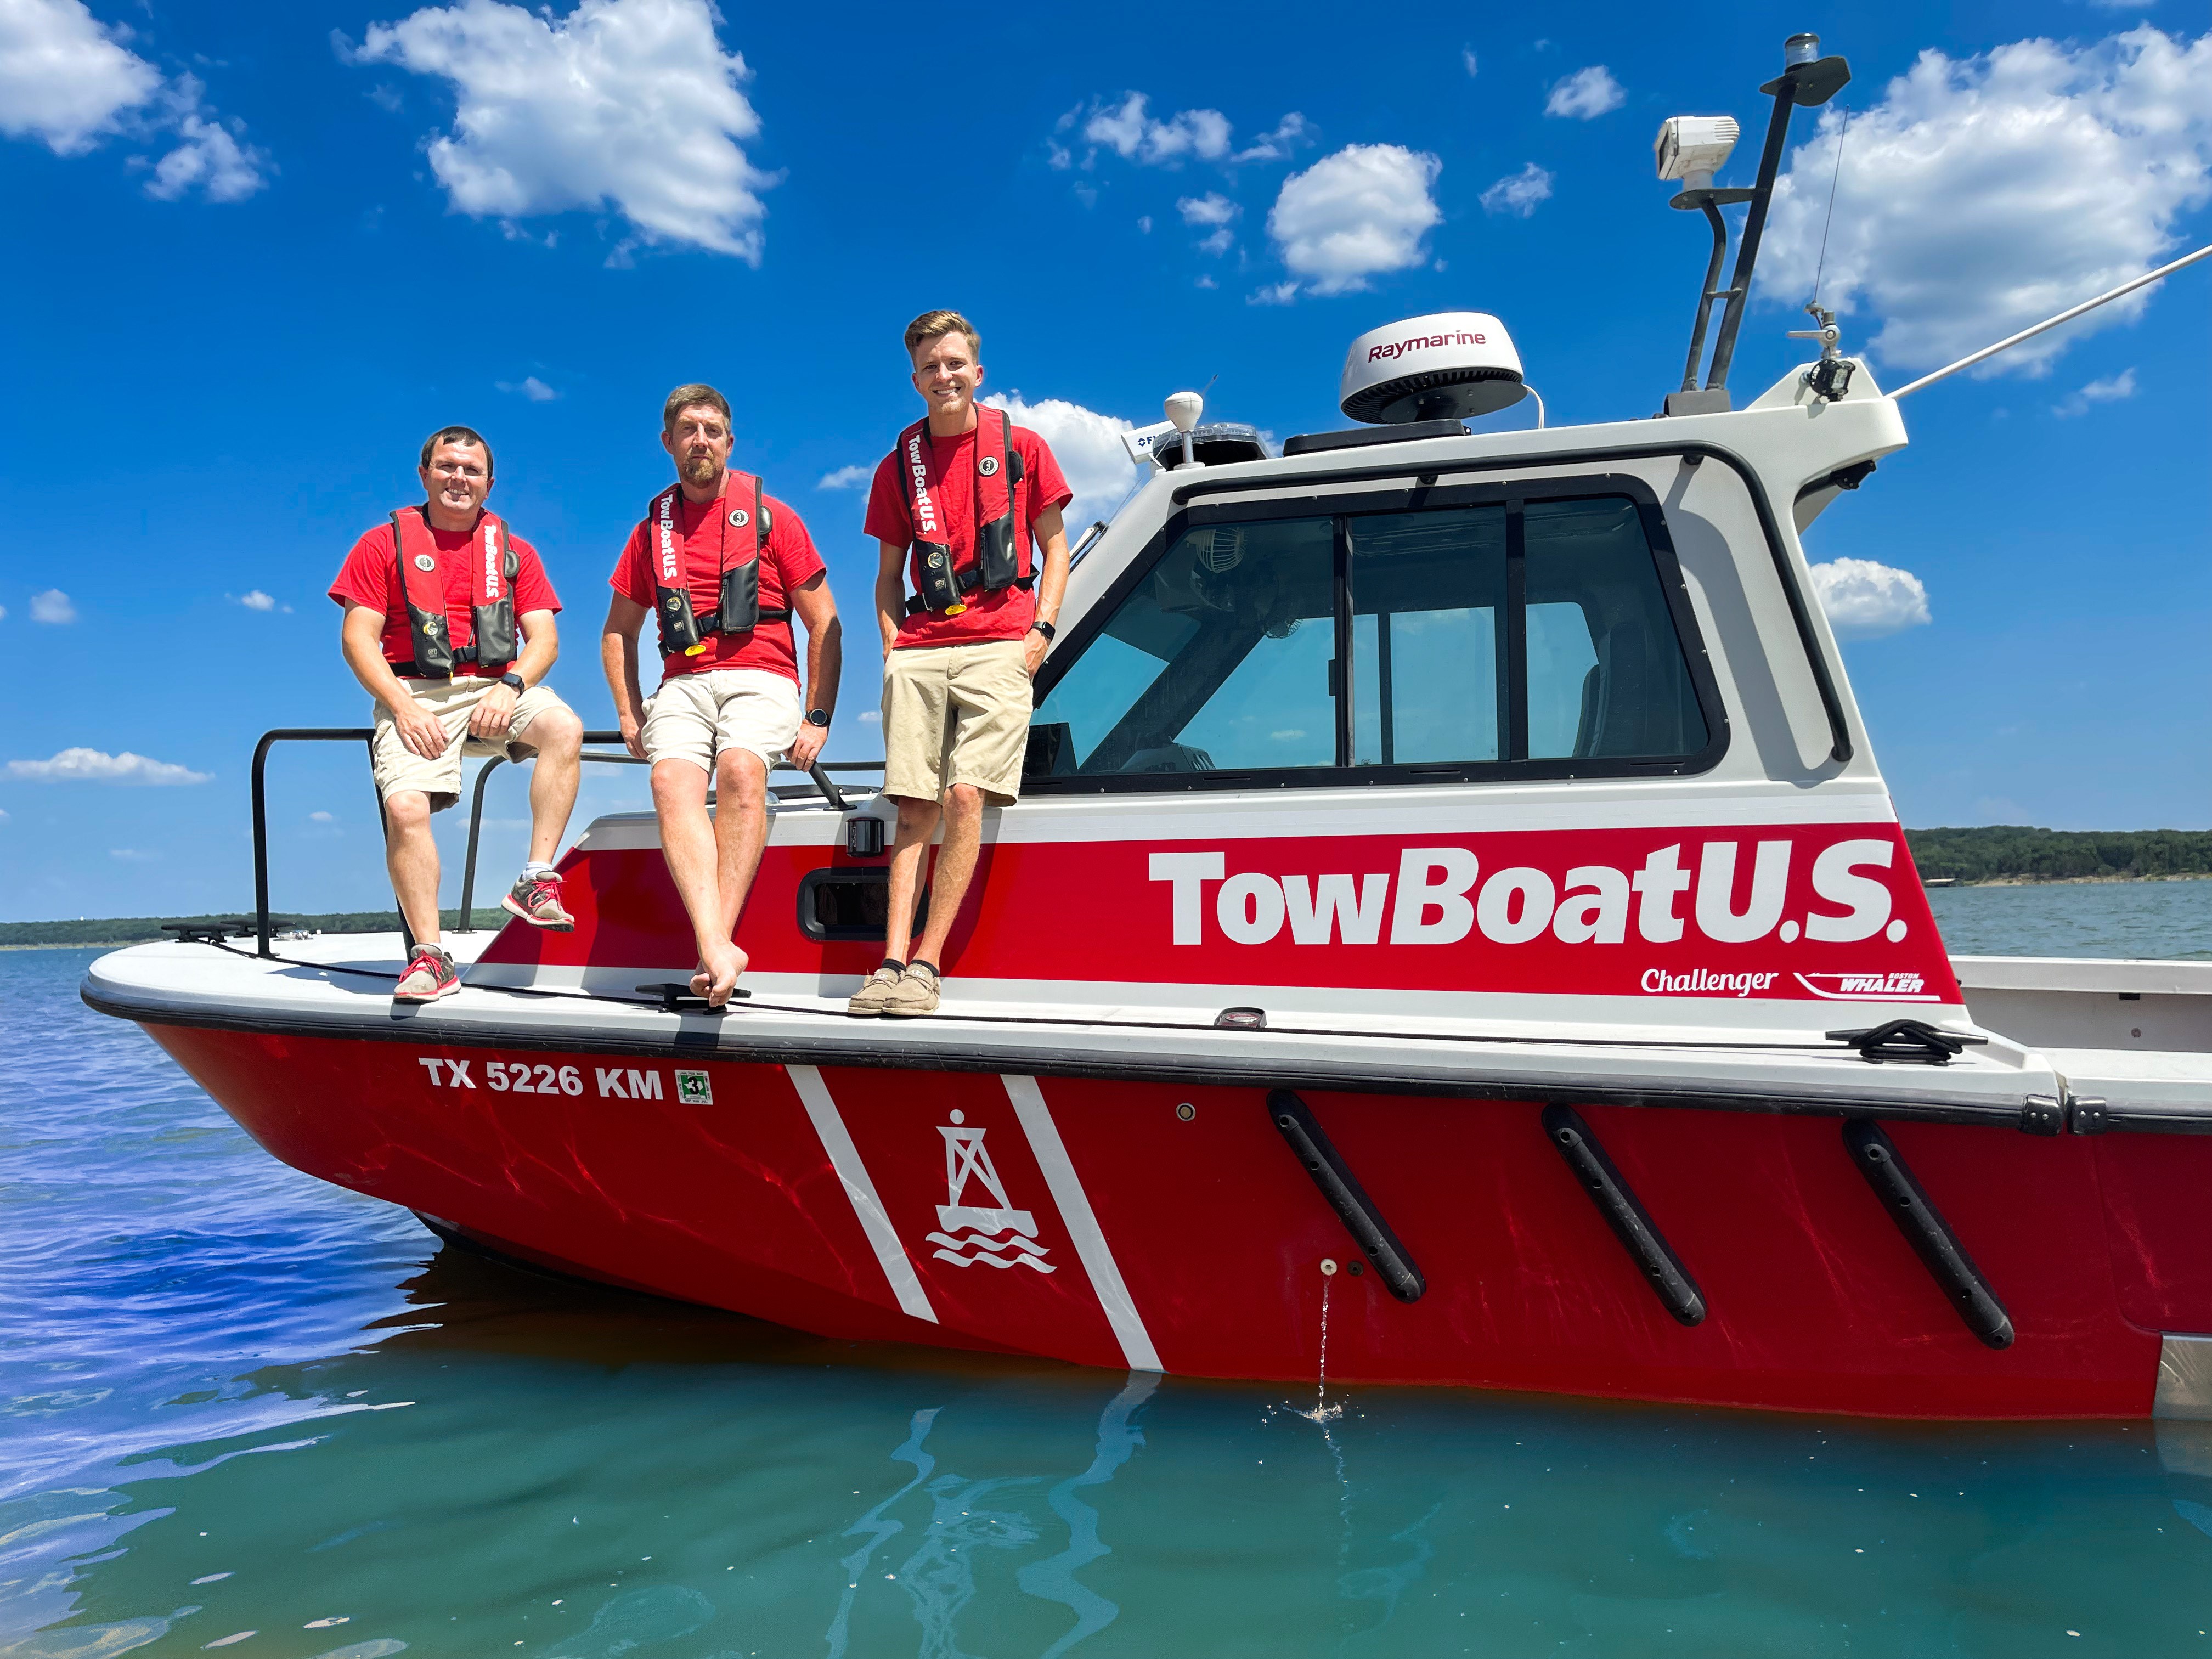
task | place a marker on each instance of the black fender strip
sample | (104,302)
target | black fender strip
(1925,1230)
(1298,1127)
(1631,1224)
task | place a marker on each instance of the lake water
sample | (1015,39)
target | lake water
(243,1411)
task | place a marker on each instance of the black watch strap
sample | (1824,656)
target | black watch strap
(1041,626)
(514,681)
(817,717)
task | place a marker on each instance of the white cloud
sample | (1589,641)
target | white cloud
(1362,210)
(871,717)
(254,599)
(68,81)
(4,613)
(1145,224)
(846,478)
(1864,600)
(1466,57)
(529,387)
(1211,208)
(1586,95)
(212,156)
(1983,194)
(1215,209)
(52,606)
(631,104)
(1274,293)
(94,766)
(1290,133)
(1518,193)
(133,855)
(1130,133)
(2110,390)
(1088,447)
(320,818)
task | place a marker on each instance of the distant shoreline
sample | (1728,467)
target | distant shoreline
(2068,881)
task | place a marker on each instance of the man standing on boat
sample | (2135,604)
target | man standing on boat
(964,501)
(723,568)
(449,626)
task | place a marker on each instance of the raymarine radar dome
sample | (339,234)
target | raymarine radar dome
(1451,365)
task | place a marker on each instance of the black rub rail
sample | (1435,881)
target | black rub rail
(365,736)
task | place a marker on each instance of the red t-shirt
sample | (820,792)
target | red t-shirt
(1006,614)
(370,576)
(786,563)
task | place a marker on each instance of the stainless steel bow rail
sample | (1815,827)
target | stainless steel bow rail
(819,772)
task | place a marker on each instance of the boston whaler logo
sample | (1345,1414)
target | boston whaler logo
(997,1234)
(1869,988)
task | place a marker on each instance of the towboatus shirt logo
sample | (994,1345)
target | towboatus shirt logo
(995,1234)
(1829,912)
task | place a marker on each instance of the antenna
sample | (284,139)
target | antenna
(2065,316)
(1686,150)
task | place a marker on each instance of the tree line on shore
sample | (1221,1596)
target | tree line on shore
(136,930)
(2008,852)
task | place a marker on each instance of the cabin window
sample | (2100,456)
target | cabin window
(1221,659)
(1483,638)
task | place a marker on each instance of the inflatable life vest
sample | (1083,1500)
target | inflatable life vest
(737,607)
(1002,552)
(492,567)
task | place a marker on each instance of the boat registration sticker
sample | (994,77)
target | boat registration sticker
(695,1088)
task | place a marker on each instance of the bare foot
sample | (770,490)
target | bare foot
(723,966)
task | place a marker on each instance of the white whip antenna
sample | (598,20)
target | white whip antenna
(2067,316)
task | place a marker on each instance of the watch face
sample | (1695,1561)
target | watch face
(815,717)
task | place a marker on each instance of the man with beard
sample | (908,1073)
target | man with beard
(449,626)
(962,505)
(723,568)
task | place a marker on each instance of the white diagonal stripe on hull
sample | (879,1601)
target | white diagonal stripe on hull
(845,1158)
(1114,1300)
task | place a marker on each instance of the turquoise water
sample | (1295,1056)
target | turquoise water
(244,1412)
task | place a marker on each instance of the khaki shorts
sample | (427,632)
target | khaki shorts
(398,767)
(695,717)
(955,713)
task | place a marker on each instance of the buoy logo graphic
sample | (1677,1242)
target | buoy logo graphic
(995,1234)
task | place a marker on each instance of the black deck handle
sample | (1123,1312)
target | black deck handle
(1298,1127)
(1925,1230)
(1631,1225)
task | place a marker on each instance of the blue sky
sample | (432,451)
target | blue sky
(260,250)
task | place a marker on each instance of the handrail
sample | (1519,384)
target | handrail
(819,771)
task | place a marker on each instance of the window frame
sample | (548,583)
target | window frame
(1343,505)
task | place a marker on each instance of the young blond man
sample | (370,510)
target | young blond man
(724,567)
(962,507)
(449,627)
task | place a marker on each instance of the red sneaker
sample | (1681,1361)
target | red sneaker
(429,976)
(537,900)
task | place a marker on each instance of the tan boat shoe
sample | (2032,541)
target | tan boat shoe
(875,991)
(916,993)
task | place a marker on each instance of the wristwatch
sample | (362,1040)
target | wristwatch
(817,717)
(1041,626)
(514,683)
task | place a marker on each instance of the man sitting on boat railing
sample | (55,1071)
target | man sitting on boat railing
(724,567)
(449,626)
